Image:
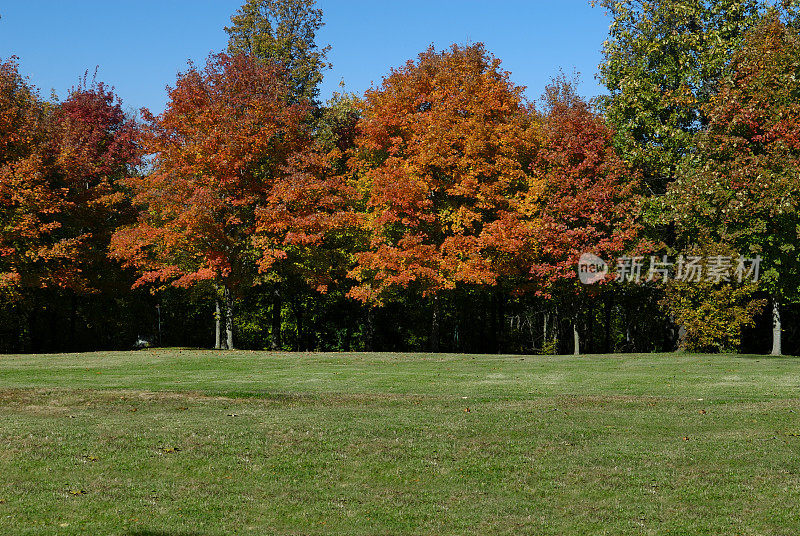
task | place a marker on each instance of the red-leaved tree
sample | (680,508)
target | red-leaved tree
(218,150)
(588,203)
(59,191)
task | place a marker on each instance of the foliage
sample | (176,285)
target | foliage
(441,195)
(284,32)
(59,184)
(742,187)
(27,200)
(663,61)
(589,198)
(440,161)
(712,313)
(218,150)
(306,219)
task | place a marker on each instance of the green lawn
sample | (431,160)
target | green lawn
(180,442)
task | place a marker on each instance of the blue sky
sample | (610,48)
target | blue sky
(140,46)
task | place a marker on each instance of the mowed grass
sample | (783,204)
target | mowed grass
(183,442)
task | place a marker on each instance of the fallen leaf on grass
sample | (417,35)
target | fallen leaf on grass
(702,412)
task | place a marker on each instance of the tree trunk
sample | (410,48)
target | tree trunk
(34,340)
(544,330)
(589,343)
(492,317)
(681,337)
(73,313)
(346,342)
(483,322)
(370,342)
(607,342)
(435,325)
(217,321)
(776,327)
(576,337)
(555,330)
(228,318)
(501,320)
(277,305)
(298,314)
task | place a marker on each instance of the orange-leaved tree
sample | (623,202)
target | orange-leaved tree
(441,158)
(218,150)
(27,201)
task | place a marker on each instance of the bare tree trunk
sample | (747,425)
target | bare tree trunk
(435,325)
(277,304)
(681,337)
(73,313)
(607,310)
(484,322)
(544,330)
(217,321)
(491,339)
(501,320)
(34,342)
(576,337)
(298,315)
(589,344)
(776,326)
(555,330)
(370,342)
(228,318)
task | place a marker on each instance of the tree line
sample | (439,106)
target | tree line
(441,210)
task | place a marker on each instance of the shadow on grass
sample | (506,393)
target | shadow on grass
(147,532)
(766,357)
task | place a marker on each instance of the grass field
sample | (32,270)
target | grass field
(180,443)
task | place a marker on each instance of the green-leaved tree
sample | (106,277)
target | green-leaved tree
(283,31)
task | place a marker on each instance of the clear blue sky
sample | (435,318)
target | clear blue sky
(140,46)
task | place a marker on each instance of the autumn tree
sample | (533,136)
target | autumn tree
(663,60)
(711,310)
(741,188)
(440,156)
(61,188)
(95,148)
(588,199)
(284,32)
(218,150)
(28,203)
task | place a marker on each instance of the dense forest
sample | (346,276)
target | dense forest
(441,210)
